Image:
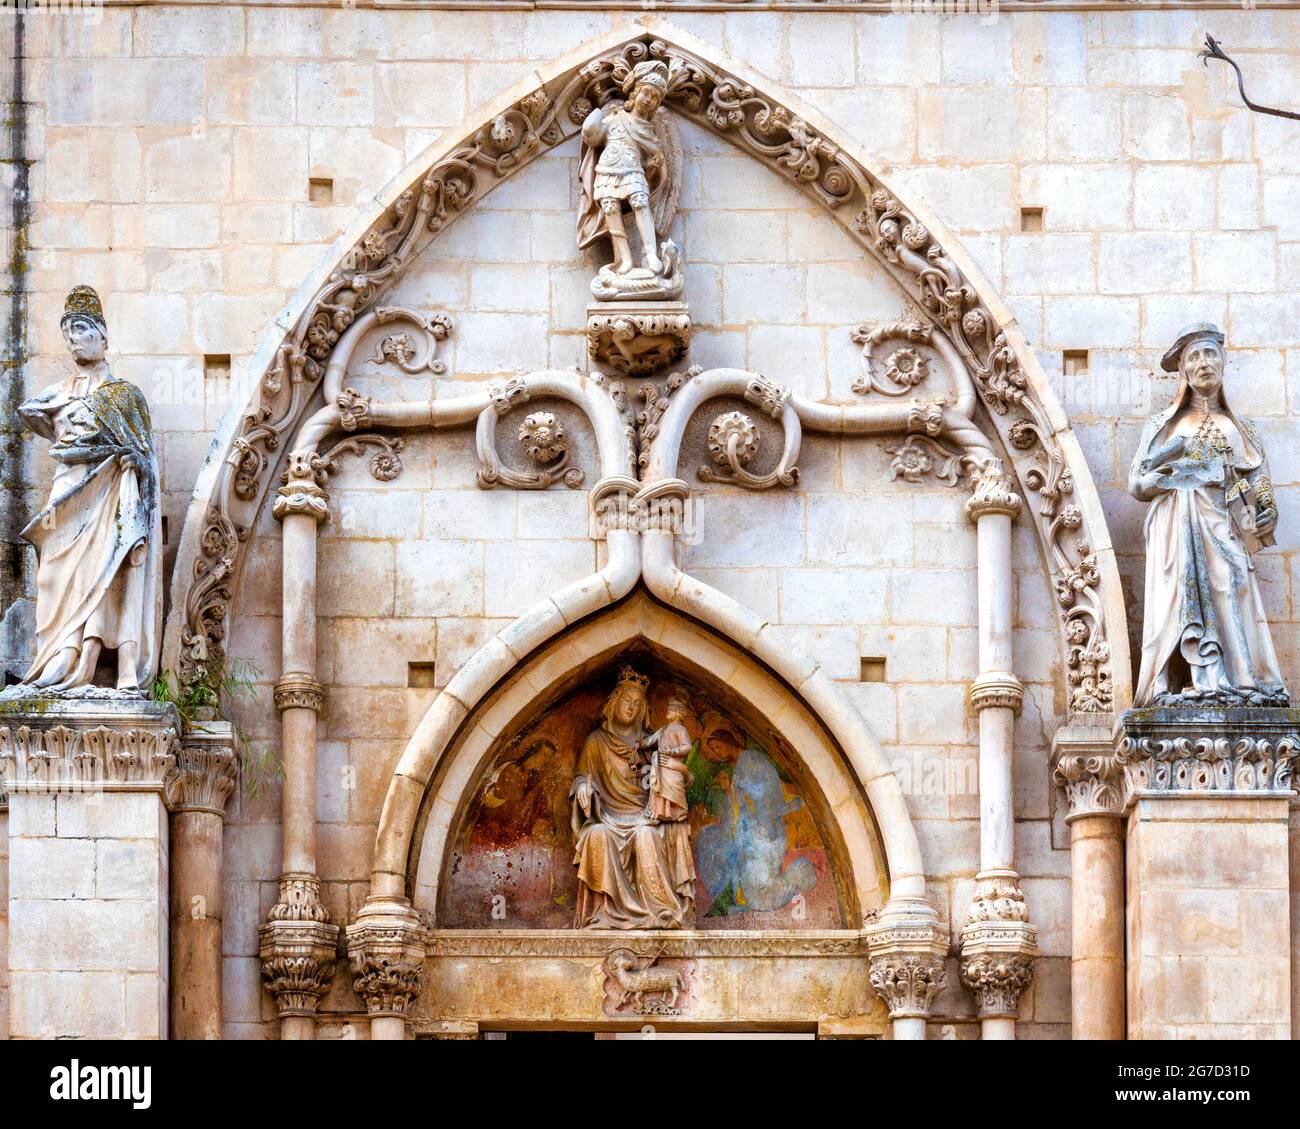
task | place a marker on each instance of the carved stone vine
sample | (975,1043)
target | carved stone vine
(781,139)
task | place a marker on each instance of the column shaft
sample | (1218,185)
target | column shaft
(1097,927)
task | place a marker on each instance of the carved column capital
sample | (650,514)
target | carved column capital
(998,980)
(354,409)
(612,504)
(908,944)
(998,945)
(299,691)
(386,946)
(302,493)
(993,492)
(1000,689)
(1085,767)
(299,946)
(206,769)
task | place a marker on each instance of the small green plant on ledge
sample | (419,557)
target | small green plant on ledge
(205,698)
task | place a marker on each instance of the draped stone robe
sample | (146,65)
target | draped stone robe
(1203,615)
(98,539)
(633,873)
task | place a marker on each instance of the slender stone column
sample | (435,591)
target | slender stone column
(205,777)
(386,946)
(1093,781)
(299,943)
(997,943)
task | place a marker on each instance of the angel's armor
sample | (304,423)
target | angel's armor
(620,174)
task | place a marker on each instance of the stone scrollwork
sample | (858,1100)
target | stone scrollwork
(1241,763)
(402,350)
(541,437)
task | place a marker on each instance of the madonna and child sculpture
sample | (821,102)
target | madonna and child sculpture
(98,538)
(628,812)
(1203,470)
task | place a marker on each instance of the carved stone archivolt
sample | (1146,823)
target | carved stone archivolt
(781,139)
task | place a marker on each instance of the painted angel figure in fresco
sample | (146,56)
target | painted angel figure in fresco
(631,162)
(98,539)
(634,871)
(1203,470)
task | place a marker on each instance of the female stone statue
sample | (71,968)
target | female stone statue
(634,872)
(1204,635)
(98,540)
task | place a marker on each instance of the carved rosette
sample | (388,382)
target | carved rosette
(299,946)
(998,979)
(1000,690)
(71,745)
(1178,749)
(299,692)
(907,945)
(386,946)
(206,769)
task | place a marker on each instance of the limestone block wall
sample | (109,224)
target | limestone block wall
(193,162)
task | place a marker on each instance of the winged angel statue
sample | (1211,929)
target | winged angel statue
(632,161)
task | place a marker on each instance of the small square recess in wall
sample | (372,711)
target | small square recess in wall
(1074,362)
(1031,219)
(320,190)
(419,675)
(216,366)
(872,670)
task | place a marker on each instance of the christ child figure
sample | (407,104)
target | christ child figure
(669,776)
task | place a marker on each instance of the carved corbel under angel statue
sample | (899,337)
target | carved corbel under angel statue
(631,164)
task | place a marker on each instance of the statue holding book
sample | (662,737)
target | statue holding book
(1203,470)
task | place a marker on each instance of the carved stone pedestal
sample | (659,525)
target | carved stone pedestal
(88,859)
(637,338)
(1209,948)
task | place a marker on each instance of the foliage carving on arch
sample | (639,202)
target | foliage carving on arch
(752,120)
